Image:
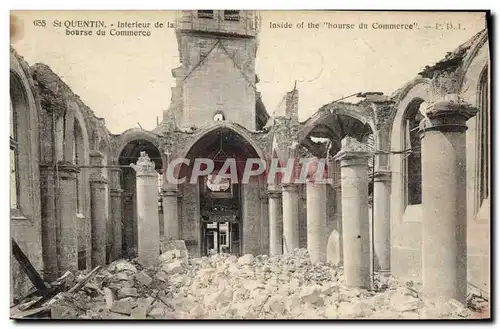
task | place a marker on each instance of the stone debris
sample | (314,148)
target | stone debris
(224,286)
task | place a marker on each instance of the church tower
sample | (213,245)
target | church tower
(216,79)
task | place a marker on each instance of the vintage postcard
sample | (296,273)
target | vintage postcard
(231,164)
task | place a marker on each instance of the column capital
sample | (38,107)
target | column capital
(115,191)
(168,192)
(274,194)
(98,179)
(289,187)
(353,153)
(382,176)
(447,115)
(144,166)
(67,170)
(273,190)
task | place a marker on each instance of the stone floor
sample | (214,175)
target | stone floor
(226,287)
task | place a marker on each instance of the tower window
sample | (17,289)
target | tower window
(232,15)
(206,14)
(218,116)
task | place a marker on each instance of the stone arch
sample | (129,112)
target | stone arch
(475,68)
(341,119)
(26,124)
(237,208)
(348,110)
(417,91)
(405,247)
(223,124)
(25,223)
(471,69)
(134,134)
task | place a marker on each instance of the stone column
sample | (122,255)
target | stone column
(67,227)
(290,198)
(251,219)
(170,214)
(275,222)
(147,210)
(382,221)
(116,212)
(98,210)
(316,221)
(264,225)
(353,158)
(49,222)
(444,212)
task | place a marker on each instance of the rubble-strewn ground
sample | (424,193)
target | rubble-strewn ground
(226,287)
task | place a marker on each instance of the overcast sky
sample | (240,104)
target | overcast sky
(127,80)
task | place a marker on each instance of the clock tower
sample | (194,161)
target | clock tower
(216,79)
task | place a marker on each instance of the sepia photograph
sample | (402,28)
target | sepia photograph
(250,165)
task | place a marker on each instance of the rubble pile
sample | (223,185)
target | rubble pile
(224,286)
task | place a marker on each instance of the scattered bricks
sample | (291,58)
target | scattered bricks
(197,312)
(109,297)
(173,268)
(123,306)
(226,287)
(157,313)
(120,277)
(180,248)
(331,312)
(246,259)
(350,310)
(328,290)
(139,313)
(115,316)
(143,278)
(145,302)
(311,295)
(167,256)
(161,276)
(123,265)
(275,304)
(127,292)
(63,311)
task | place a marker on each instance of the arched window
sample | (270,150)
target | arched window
(14,179)
(412,166)
(483,140)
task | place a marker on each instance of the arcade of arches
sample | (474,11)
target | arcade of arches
(81,196)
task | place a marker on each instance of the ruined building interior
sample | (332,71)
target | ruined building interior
(74,201)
